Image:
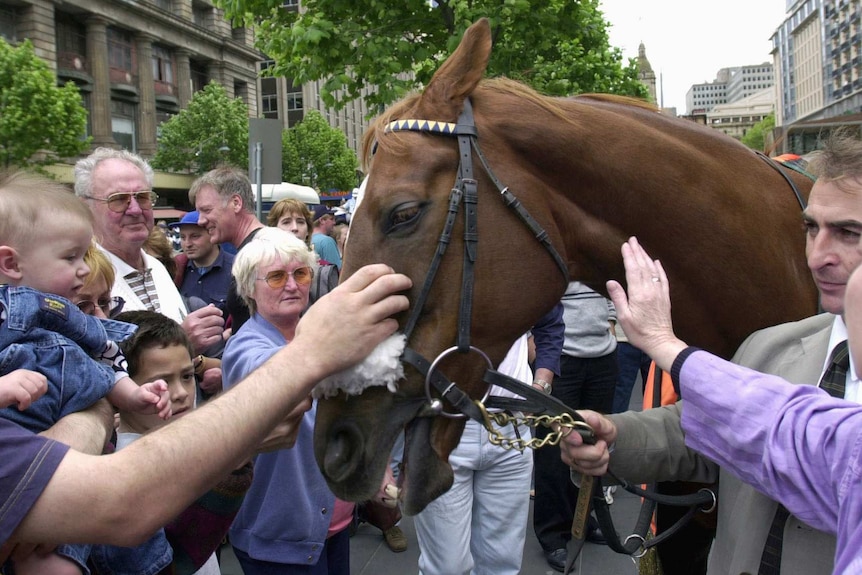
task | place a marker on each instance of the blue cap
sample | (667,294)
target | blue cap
(320,210)
(190,219)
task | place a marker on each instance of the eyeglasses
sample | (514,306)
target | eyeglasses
(110,306)
(120,202)
(276,280)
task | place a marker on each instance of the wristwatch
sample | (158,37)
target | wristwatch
(546,386)
(198,364)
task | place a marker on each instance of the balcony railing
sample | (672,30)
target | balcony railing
(121,76)
(165,89)
(72,61)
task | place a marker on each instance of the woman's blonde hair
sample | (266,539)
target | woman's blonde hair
(269,245)
(100,267)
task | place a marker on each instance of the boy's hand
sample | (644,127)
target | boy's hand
(23,387)
(211,382)
(156,398)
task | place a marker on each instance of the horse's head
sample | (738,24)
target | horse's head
(400,220)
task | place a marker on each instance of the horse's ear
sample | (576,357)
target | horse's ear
(460,73)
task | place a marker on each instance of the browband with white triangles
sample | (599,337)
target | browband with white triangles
(447,128)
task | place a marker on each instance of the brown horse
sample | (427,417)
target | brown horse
(591,171)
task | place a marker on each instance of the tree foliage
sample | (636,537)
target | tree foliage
(559,47)
(39,121)
(755,137)
(194,140)
(315,154)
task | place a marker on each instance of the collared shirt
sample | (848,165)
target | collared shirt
(210,284)
(170,301)
(852,389)
(792,442)
(144,287)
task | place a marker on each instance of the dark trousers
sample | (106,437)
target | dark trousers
(334,560)
(631,361)
(584,383)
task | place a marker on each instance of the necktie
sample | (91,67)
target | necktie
(835,375)
(833,381)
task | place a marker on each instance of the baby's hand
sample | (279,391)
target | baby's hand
(23,387)
(155,394)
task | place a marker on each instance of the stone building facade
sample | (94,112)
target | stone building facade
(136,62)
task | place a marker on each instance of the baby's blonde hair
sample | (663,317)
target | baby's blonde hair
(28,199)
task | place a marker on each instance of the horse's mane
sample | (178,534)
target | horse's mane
(553,105)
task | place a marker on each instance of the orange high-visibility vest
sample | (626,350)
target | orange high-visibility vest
(665,395)
(656,397)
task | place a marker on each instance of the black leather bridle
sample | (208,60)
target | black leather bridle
(465,192)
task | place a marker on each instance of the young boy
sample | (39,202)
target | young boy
(44,233)
(160,349)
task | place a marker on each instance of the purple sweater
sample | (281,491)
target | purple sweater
(794,443)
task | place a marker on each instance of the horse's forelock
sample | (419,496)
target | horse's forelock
(373,138)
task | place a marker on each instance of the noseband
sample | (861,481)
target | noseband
(546,410)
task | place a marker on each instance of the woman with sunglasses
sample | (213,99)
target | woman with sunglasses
(94,297)
(290,521)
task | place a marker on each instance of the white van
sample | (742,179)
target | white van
(271,193)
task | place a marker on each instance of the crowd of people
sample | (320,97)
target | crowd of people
(154,403)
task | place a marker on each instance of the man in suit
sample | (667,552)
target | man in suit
(649,446)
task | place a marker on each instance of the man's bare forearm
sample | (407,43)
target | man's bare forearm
(86,431)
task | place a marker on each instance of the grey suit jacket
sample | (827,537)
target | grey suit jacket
(651,447)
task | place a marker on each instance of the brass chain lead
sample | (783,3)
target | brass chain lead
(565,423)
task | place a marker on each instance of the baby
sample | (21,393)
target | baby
(44,233)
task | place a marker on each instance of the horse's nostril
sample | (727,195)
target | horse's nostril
(342,455)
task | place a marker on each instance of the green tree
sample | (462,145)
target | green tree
(316,154)
(559,47)
(755,138)
(212,130)
(39,121)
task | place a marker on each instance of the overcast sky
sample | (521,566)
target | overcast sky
(688,41)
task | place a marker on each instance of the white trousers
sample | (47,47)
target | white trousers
(479,526)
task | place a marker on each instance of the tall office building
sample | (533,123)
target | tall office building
(817,51)
(730,85)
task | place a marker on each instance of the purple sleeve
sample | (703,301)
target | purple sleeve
(27,463)
(794,443)
(548,334)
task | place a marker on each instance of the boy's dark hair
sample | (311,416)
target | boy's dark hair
(154,331)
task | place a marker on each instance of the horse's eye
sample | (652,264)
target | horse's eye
(404,216)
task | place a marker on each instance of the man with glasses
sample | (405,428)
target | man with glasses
(117,186)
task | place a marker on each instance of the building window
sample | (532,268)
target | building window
(294,101)
(240,90)
(8,22)
(270,106)
(123,124)
(71,44)
(163,67)
(199,76)
(119,49)
(268,95)
(164,5)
